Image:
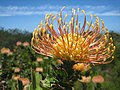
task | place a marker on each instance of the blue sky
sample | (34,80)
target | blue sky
(27,14)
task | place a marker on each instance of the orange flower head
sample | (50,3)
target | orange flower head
(15,77)
(5,51)
(25,44)
(85,79)
(98,79)
(60,62)
(39,69)
(18,43)
(39,59)
(16,70)
(81,67)
(90,43)
(24,81)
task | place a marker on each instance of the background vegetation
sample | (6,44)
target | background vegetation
(25,59)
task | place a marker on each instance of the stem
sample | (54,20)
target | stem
(84,86)
(97,86)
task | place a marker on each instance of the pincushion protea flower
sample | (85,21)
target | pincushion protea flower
(85,79)
(90,43)
(81,67)
(98,79)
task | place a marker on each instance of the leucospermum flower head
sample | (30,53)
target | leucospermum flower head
(81,67)
(98,79)
(87,43)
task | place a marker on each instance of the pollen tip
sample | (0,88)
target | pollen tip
(51,26)
(90,15)
(78,9)
(46,23)
(83,11)
(66,15)
(95,15)
(46,15)
(38,26)
(113,57)
(114,47)
(96,49)
(111,39)
(35,29)
(60,19)
(72,18)
(63,26)
(76,27)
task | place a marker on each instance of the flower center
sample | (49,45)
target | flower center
(71,47)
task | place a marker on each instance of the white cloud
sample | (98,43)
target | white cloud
(110,13)
(42,10)
(15,10)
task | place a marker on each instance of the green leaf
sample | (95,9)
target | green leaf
(38,77)
(13,86)
(20,85)
(47,82)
